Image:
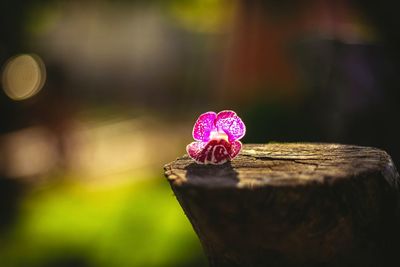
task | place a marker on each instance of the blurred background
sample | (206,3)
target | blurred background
(96,96)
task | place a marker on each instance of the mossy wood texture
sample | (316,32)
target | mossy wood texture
(293,204)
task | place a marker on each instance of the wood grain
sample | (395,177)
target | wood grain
(293,204)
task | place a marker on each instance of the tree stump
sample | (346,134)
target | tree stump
(293,204)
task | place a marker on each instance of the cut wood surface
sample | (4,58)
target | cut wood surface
(293,204)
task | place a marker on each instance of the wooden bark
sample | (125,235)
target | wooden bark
(293,204)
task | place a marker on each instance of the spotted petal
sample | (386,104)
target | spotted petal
(236,146)
(213,152)
(204,126)
(194,149)
(231,124)
(220,152)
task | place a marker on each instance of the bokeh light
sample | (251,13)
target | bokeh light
(23,76)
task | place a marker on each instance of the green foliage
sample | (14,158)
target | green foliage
(135,224)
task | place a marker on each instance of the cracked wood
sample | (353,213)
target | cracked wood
(293,204)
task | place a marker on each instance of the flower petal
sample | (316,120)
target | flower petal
(206,153)
(231,124)
(204,126)
(195,148)
(220,152)
(213,152)
(236,146)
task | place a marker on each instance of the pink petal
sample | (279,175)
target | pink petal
(213,152)
(231,124)
(220,154)
(205,154)
(204,126)
(195,148)
(236,146)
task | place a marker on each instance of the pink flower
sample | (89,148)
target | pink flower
(217,137)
